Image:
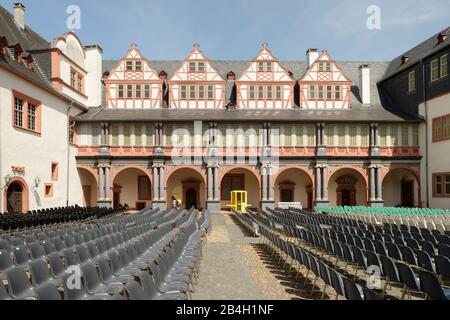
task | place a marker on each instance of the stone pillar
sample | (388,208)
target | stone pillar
(379,185)
(264,184)
(107,182)
(318,185)
(270,185)
(210,183)
(213,203)
(216,195)
(162,180)
(155,184)
(325,184)
(101,187)
(376,137)
(372,188)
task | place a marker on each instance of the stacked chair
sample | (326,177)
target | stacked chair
(151,255)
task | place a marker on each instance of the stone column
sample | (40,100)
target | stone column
(264,184)
(101,187)
(162,194)
(216,183)
(155,184)
(107,182)
(318,184)
(379,184)
(210,183)
(376,138)
(372,184)
(270,184)
(325,183)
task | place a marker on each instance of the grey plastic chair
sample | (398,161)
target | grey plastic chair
(430,285)
(107,276)
(70,258)
(5,261)
(151,289)
(135,292)
(48,292)
(3,293)
(21,257)
(352,290)
(40,273)
(73,293)
(93,283)
(57,268)
(5,245)
(19,286)
(408,278)
(83,253)
(36,250)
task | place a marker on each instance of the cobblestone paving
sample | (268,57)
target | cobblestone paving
(232,269)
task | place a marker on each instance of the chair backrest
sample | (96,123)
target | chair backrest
(407,276)
(442,265)
(21,256)
(91,278)
(18,283)
(5,261)
(389,268)
(56,266)
(324,272)
(135,292)
(71,289)
(336,282)
(5,245)
(394,251)
(424,261)
(372,295)
(70,258)
(105,270)
(36,250)
(39,272)
(352,291)
(48,292)
(430,285)
(408,255)
(444,250)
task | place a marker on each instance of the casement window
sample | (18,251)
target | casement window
(138,135)
(441,128)
(415,136)
(183,94)
(405,136)
(328,67)
(312,92)
(265,67)
(321,66)
(364,132)
(341,136)
(76,80)
(437,125)
(299,135)
(192,67)
(269,67)
(130,91)
(201,66)
(353,136)
(412,81)
(73,78)
(441,185)
(260,92)
(269,93)
(149,135)
(278,92)
(26,113)
(252,93)
(95,135)
(192,92)
(138,65)
(144,188)
(201,92)
(311,134)
(115,135)
(80,83)
(168,132)
(394,136)
(444,65)
(147,91)
(383,135)
(129,65)
(288,136)
(261,66)
(210,92)
(435,70)
(120,93)
(329,93)
(54,171)
(138,91)
(126,135)
(446,123)
(330,135)
(337,93)
(320,94)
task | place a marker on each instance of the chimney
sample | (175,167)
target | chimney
(364,84)
(311,56)
(19,15)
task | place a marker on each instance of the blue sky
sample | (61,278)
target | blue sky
(235,29)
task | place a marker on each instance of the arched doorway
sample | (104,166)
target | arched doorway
(16,196)
(240,179)
(294,185)
(401,188)
(131,186)
(89,185)
(187,187)
(347,187)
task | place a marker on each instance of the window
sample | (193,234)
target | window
(415,136)
(441,185)
(126,135)
(183,93)
(446,127)
(73,78)
(444,65)
(252,93)
(364,136)
(18,112)
(48,189)
(434,70)
(312,92)
(138,65)
(76,80)
(437,125)
(412,81)
(269,93)
(383,135)
(441,128)
(210,92)
(95,134)
(120,94)
(321,67)
(192,92)
(269,67)
(32,117)
(149,134)
(54,171)
(405,136)
(129,65)
(353,134)
(394,136)
(192,67)
(80,83)
(201,66)
(260,92)
(299,135)
(278,92)
(130,91)
(288,136)
(201,92)
(330,135)
(261,66)
(320,93)
(138,135)
(144,188)
(115,135)
(138,91)
(328,67)
(341,136)
(147,91)
(337,93)
(168,130)
(329,93)
(311,135)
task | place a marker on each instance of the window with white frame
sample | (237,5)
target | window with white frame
(412,81)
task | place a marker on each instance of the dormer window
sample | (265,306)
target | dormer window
(197,66)
(138,65)
(324,66)
(129,65)
(76,80)
(265,67)
(30,62)
(3,46)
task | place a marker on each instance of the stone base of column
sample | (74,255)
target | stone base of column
(104,203)
(376,203)
(322,203)
(159,205)
(213,206)
(267,205)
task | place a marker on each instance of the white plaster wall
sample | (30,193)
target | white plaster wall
(93,81)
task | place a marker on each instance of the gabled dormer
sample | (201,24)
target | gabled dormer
(16,52)
(134,83)
(197,84)
(265,84)
(324,85)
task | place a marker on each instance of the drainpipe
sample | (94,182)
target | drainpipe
(427,167)
(68,154)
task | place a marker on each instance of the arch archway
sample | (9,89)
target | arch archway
(401,187)
(187,187)
(131,186)
(294,185)
(347,187)
(16,196)
(89,185)
(240,179)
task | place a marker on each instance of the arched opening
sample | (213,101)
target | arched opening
(186,187)
(294,185)
(347,187)
(132,187)
(16,196)
(89,186)
(401,188)
(240,179)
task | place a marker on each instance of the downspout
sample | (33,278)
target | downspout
(68,154)
(427,166)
